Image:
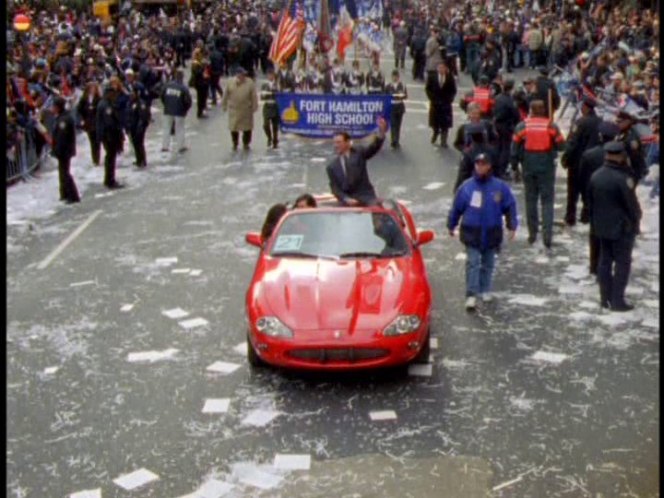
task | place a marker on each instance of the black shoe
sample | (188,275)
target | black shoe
(393,145)
(269,143)
(605,305)
(72,201)
(547,244)
(532,239)
(115,186)
(275,145)
(569,221)
(434,137)
(202,116)
(622,307)
(444,145)
(245,146)
(183,149)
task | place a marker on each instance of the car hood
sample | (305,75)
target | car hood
(341,295)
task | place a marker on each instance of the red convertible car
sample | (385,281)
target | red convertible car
(340,288)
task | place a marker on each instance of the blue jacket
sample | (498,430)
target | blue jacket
(176,99)
(481,205)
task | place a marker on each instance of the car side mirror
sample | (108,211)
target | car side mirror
(254,239)
(424,237)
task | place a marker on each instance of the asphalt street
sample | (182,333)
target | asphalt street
(538,394)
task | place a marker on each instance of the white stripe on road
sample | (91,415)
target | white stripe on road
(54,254)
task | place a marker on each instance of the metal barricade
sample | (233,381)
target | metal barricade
(22,158)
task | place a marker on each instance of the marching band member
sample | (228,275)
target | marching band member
(375,80)
(399,93)
(355,80)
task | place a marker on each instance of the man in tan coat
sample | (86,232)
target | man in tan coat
(241,102)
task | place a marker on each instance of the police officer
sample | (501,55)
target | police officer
(478,145)
(481,95)
(505,118)
(399,93)
(270,109)
(546,91)
(630,139)
(375,80)
(110,119)
(138,120)
(177,101)
(584,135)
(535,143)
(490,60)
(591,161)
(462,141)
(64,148)
(615,215)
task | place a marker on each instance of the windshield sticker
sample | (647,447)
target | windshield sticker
(288,243)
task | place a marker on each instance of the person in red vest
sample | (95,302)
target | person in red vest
(482,96)
(535,144)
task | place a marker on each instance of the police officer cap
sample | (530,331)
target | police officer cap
(484,79)
(543,70)
(608,130)
(60,103)
(482,158)
(624,115)
(614,147)
(590,102)
(475,128)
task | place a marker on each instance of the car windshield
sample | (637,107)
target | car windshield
(339,235)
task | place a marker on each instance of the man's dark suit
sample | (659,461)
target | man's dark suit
(355,183)
(441,98)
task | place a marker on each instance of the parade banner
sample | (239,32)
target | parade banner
(323,115)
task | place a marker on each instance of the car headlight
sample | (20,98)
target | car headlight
(403,324)
(272,326)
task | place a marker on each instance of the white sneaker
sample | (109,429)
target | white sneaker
(487,297)
(471,302)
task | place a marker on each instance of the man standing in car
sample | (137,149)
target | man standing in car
(349,179)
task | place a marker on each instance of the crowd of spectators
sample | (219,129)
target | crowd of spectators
(611,47)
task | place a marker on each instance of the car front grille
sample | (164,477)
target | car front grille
(325,355)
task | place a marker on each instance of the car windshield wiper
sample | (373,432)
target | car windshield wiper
(364,254)
(298,254)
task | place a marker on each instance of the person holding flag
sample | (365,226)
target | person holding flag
(289,33)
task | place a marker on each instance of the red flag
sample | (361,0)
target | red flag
(325,42)
(345,34)
(289,32)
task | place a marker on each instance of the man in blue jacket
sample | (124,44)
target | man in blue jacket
(480,203)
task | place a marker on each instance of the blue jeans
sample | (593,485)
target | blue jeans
(479,270)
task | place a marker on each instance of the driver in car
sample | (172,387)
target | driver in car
(386,228)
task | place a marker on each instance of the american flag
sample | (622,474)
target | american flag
(289,32)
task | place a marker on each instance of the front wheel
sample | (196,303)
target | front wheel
(252,357)
(423,355)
